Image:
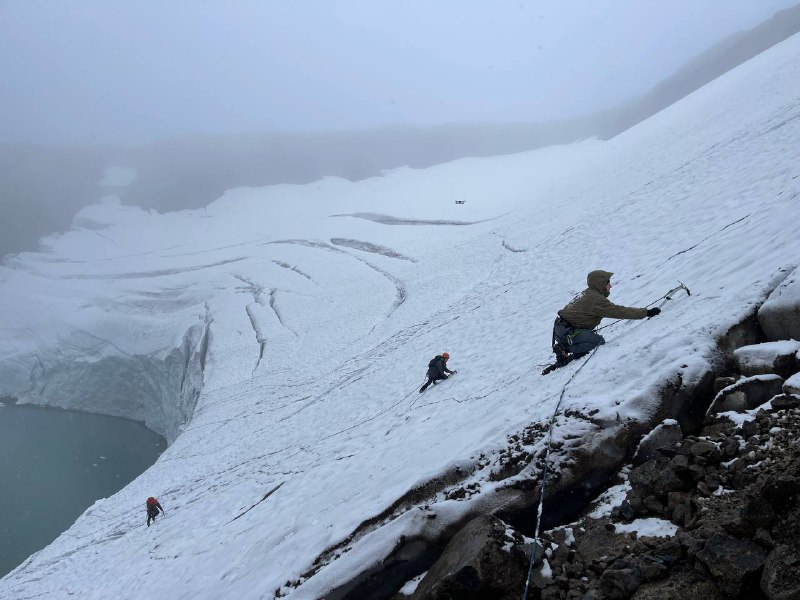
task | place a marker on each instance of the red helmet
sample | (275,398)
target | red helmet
(445,355)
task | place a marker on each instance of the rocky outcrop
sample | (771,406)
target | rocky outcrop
(747,393)
(732,493)
(710,515)
(484,560)
(779,316)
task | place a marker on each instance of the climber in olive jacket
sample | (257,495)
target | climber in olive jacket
(573,334)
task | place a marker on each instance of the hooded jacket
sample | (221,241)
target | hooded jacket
(438,367)
(587,309)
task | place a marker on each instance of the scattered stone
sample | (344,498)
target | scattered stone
(780,580)
(707,450)
(620,580)
(681,586)
(731,561)
(653,505)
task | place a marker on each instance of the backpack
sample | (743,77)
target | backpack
(433,366)
(151,502)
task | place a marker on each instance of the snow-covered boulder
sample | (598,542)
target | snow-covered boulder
(779,316)
(746,394)
(792,385)
(781,357)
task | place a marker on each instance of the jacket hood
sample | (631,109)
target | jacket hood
(597,281)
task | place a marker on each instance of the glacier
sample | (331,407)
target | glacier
(278,336)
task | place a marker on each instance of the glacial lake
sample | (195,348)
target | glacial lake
(54,464)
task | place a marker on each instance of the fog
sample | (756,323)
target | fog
(199,97)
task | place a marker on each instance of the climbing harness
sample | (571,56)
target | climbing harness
(544,473)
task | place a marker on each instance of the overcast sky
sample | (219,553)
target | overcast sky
(136,70)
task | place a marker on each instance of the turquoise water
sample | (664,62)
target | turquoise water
(54,464)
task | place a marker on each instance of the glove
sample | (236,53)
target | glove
(652,312)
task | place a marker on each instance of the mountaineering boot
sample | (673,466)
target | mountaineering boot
(562,358)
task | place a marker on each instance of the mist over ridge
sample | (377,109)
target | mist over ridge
(44,186)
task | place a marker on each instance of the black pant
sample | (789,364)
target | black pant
(573,340)
(151,515)
(432,379)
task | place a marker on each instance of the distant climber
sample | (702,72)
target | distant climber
(152,509)
(573,330)
(437,370)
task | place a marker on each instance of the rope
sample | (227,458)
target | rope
(544,472)
(363,421)
(665,297)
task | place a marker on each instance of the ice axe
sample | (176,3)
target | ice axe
(669,294)
(664,298)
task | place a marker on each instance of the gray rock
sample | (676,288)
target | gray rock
(665,436)
(675,499)
(697,472)
(474,564)
(779,316)
(620,583)
(653,505)
(680,463)
(785,402)
(644,478)
(758,512)
(792,385)
(707,450)
(722,382)
(763,539)
(746,394)
(731,561)
(780,491)
(780,580)
(598,544)
(678,515)
(680,586)
(626,512)
(770,357)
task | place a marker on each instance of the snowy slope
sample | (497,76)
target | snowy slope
(295,324)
